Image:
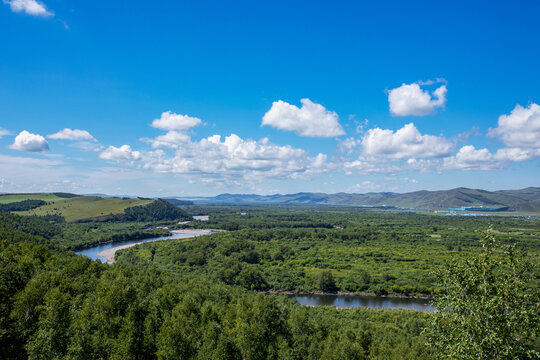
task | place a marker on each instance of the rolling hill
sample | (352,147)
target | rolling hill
(86,207)
(11,198)
(512,200)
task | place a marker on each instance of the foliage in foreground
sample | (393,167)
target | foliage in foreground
(488,309)
(67,307)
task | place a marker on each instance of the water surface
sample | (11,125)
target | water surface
(92,253)
(348,301)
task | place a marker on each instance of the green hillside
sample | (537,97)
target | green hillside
(10,198)
(84,207)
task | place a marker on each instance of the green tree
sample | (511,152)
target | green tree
(327,282)
(488,309)
(251,278)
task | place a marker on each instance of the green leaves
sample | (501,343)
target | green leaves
(488,309)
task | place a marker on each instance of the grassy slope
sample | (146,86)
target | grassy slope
(86,207)
(11,198)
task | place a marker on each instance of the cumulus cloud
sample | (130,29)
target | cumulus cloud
(311,120)
(369,165)
(516,154)
(422,165)
(170,121)
(234,159)
(470,158)
(27,141)
(406,142)
(69,134)
(520,129)
(171,140)
(348,145)
(29,7)
(410,99)
(120,154)
(3,132)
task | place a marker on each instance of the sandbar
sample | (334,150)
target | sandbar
(109,253)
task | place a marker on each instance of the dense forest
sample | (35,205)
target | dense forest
(22,205)
(57,305)
(206,297)
(290,249)
(156,210)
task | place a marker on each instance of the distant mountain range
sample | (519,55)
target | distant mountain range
(526,200)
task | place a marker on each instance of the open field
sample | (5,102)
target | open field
(86,207)
(11,198)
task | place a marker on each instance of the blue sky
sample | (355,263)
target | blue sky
(201,98)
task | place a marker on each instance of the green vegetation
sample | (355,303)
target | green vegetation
(487,309)
(201,298)
(93,208)
(27,229)
(156,210)
(55,305)
(80,236)
(290,248)
(23,205)
(86,207)
(11,198)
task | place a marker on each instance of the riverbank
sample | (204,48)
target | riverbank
(109,253)
(321,293)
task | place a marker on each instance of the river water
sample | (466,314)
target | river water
(339,301)
(349,301)
(92,253)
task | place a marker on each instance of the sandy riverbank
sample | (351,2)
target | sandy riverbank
(109,253)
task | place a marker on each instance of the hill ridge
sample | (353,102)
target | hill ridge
(459,197)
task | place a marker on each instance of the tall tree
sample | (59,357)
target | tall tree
(488,309)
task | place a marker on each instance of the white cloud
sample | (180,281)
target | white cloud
(27,141)
(30,7)
(406,142)
(369,165)
(171,121)
(520,129)
(235,160)
(516,154)
(120,154)
(470,158)
(422,165)
(3,132)
(88,146)
(365,185)
(348,145)
(311,120)
(433,82)
(410,99)
(69,134)
(171,140)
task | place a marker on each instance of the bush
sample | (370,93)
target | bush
(327,282)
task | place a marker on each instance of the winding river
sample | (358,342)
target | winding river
(105,253)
